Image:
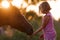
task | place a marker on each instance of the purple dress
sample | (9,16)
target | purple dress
(49,31)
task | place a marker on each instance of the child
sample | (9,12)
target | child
(47,23)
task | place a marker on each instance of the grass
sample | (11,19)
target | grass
(35,23)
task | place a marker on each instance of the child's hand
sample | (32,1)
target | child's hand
(34,33)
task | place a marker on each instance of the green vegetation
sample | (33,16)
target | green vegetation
(36,22)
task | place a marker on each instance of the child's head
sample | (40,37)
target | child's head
(44,7)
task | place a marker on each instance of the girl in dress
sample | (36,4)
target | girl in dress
(47,23)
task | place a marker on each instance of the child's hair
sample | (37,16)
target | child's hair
(45,7)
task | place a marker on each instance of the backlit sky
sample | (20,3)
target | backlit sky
(55,5)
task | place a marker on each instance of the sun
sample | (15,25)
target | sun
(5,4)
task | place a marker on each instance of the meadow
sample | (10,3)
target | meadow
(35,21)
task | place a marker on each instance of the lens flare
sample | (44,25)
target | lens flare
(55,5)
(5,4)
(17,3)
(33,8)
(24,5)
(55,9)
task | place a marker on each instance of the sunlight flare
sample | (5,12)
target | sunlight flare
(17,3)
(5,4)
(55,9)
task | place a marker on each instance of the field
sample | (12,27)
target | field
(35,22)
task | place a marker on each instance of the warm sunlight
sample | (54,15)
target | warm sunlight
(22,4)
(55,9)
(33,8)
(5,4)
(17,3)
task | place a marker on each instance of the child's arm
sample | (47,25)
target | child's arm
(46,20)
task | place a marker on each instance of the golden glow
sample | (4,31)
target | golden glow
(55,9)
(55,5)
(5,4)
(30,17)
(33,8)
(24,4)
(17,3)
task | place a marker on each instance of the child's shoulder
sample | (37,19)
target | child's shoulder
(48,14)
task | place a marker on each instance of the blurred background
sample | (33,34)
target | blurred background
(30,9)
